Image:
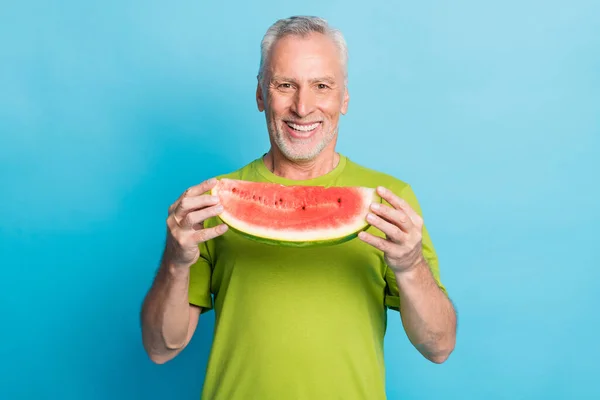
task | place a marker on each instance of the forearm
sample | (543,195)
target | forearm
(428,316)
(166,312)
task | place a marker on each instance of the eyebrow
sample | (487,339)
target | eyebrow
(280,78)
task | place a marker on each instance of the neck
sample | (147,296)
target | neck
(301,170)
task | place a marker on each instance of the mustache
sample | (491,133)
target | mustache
(301,121)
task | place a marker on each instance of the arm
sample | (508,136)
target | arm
(168,319)
(427,314)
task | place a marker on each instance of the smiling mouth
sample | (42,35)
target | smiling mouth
(305,128)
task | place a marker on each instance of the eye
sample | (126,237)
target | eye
(322,86)
(285,86)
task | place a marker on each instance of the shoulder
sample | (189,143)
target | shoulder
(366,176)
(245,172)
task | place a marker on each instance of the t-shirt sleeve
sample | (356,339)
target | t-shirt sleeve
(200,280)
(392,298)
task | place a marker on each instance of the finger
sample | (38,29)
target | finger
(390,230)
(202,187)
(391,197)
(396,217)
(376,241)
(398,203)
(189,204)
(194,191)
(198,217)
(204,235)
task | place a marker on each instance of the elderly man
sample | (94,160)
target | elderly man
(294,323)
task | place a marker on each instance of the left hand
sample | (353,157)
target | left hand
(402,226)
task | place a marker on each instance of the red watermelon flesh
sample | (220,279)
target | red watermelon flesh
(294,214)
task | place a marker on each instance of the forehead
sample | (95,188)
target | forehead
(313,54)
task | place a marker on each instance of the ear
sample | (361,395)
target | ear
(345,101)
(259,97)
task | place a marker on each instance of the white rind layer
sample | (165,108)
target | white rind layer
(368,196)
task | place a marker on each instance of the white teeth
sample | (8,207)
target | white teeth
(303,128)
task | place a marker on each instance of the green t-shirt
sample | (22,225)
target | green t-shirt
(299,323)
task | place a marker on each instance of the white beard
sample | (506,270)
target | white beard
(289,150)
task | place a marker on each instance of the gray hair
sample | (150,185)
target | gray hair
(301,26)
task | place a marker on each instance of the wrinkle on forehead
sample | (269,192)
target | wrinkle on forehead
(307,58)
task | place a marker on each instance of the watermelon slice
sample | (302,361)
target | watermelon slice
(294,215)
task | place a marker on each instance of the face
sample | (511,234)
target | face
(303,95)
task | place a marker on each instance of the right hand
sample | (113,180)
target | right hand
(185,224)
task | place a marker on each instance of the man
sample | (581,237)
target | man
(304,323)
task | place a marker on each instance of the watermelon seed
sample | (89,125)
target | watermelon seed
(234,190)
(340,200)
(304,207)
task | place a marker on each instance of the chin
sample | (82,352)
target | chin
(297,154)
(295,150)
(301,149)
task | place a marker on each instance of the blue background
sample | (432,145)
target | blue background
(109,110)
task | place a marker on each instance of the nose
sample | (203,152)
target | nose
(304,102)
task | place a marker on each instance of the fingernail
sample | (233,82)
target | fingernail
(370,217)
(219,208)
(375,206)
(214,198)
